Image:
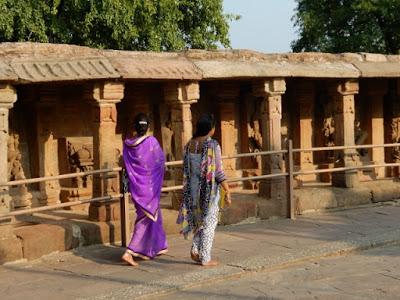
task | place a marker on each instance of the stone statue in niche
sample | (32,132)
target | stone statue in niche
(360,137)
(255,140)
(329,136)
(77,153)
(167,137)
(80,159)
(22,197)
(329,131)
(395,126)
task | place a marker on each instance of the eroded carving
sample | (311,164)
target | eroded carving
(395,126)
(80,159)
(15,172)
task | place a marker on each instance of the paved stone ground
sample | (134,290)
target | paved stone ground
(96,272)
(371,274)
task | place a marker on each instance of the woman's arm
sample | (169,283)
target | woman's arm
(228,200)
(220,175)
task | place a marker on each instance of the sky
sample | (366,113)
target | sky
(265,25)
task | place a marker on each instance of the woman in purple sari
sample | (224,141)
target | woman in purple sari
(144,163)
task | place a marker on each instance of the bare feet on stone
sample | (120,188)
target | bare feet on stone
(129,259)
(211,263)
(195,257)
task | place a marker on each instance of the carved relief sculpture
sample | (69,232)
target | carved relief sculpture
(395,126)
(21,196)
(167,136)
(80,158)
(360,137)
(255,139)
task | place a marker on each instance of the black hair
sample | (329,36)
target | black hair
(141,124)
(204,125)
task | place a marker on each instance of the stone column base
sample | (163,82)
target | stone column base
(275,190)
(326,177)
(22,201)
(104,212)
(6,203)
(379,172)
(306,177)
(348,179)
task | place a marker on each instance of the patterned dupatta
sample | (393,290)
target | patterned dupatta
(191,215)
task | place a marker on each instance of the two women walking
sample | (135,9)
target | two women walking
(202,196)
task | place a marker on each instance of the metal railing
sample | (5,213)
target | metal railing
(289,174)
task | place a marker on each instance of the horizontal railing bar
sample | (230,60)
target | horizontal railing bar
(179,162)
(179,187)
(56,206)
(340,169)
(257,177)
(260,153)
(117,169)
(58,177)
(241,155)
(330,148)
(173,163)
(172,188)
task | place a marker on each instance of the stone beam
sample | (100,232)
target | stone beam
(8,96)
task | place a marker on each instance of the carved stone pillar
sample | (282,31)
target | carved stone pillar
(305,102)
(47,147)
(376,91)
(179,96)
(105,95)
(8,96)
(227,95)
(271,91)
(343,93)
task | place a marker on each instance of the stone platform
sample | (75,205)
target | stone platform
(44,233)
(96,272)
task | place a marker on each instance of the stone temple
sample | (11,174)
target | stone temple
(68,108)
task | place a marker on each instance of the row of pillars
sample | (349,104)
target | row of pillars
(104,97)
(180,96)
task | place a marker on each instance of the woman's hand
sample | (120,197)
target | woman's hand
(228,200)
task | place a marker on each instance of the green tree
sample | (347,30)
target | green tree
(158,25)
(348,26)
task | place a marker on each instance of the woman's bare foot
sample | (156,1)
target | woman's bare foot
(195,257)
(129,259)
(162,252)
(211,263)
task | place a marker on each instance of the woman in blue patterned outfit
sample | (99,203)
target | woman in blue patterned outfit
(203,175)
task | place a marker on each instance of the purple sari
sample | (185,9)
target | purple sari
(144,162)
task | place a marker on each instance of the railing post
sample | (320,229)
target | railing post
(124,205)
(290,180)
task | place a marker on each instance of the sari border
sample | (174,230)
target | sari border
(143,256)
(149,214)
(139,141)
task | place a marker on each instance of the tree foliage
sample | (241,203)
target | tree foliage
(158,25)
(348,26)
